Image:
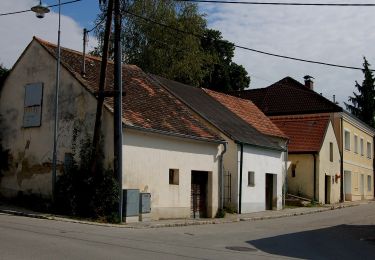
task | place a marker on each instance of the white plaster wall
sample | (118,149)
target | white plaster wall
(30,165)
(260,161)
(147,159)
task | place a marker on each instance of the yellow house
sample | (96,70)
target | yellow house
(314,156)
(356,142)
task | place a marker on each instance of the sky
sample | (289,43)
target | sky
(341,35)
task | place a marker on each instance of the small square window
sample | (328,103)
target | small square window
(251,179)
(173,176)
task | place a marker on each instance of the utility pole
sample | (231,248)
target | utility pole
(101,96)
(118,101)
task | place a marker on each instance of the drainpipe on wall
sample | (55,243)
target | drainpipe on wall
(342,198)
(314,155)
(286,173)
(222,176)
(240,195)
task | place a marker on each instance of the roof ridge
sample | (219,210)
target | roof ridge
(87,56)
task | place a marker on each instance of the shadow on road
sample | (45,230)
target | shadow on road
(338,242)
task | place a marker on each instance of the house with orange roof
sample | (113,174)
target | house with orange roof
(289,97)
(255,157)
(314,157)
(167,151)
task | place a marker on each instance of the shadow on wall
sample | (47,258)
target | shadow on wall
(338,242)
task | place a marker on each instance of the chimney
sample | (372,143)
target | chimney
(309,83)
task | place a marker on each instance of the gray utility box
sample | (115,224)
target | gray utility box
(131,203)
(145,203)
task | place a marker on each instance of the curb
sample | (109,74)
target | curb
(146,225)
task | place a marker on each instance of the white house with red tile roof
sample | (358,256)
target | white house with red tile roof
(167,151)
(254,161)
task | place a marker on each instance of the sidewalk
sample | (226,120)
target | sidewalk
(229,218)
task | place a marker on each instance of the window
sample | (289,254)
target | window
(361,146)
(347,140)
(294,170)
(368,183)
(173,176)
(251,179)
(331,152)
(369,153)
(355,144)
(33,105)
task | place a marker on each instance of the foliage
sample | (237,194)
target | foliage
(230,209)
(220,213)
(363,104)
(79,193)
(205,62)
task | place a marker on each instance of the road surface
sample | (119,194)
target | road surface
(339,234)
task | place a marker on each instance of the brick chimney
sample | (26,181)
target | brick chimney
(309,83)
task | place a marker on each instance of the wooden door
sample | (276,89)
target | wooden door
(198,194)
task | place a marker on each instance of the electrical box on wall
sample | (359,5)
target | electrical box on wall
(145,203)
(131,202)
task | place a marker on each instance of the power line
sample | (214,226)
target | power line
(99,23)
(242,47)
(276,3)
(29,10)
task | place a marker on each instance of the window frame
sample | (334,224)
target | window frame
(355,143)
(347,140)
(174,176)
(369,149)
(362,146)
(251,181)
(331,151)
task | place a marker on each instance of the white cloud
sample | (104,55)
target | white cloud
(17,30)
(341,35)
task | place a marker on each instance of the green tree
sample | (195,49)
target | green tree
(363,104)
(222,73)
(205,62)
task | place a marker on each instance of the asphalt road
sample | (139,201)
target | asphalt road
(340,234)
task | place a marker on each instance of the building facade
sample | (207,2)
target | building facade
(167,151)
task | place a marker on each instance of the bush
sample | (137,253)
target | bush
(220,213)
(82,193)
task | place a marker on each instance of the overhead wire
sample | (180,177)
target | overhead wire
(242,47)
(278,3)
(49,6)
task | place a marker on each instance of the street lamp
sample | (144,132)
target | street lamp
(40,11)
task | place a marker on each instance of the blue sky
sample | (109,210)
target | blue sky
(333,35)
(84,12)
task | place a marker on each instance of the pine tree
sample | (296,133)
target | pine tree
(363,104)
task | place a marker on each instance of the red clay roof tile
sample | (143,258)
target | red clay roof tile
(306,132)
(249,112)
(146,104)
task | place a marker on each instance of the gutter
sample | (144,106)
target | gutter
(221,166)
(155,131)
(240,192)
